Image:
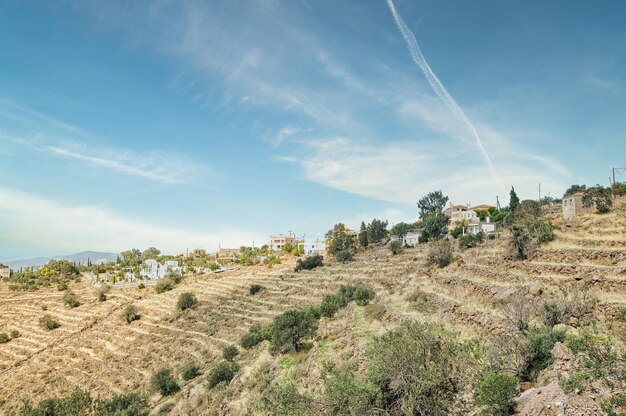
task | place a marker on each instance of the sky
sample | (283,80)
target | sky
(183,124)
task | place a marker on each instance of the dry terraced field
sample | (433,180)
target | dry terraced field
(96,350)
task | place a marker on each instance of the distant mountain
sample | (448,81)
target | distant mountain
(82,258)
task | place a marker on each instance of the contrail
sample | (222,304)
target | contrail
(438,87)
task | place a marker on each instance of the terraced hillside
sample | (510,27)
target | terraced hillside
(95,349)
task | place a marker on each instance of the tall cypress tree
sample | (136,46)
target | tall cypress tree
(363,235)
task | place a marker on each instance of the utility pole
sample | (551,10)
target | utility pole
(539,193)
(613,176)
(497,203)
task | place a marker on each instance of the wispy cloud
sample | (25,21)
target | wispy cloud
(439,89)
(169,168)
(47,135)
(67,228)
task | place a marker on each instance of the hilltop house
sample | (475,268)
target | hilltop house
(153,270)
(411,238)
(5,273)
(454,208)
(277,243)
(573,206)
(476,227)
(230,253)
(314,247)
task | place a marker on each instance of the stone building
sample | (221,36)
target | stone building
(573,206)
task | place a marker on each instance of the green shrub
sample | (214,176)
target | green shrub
(345,256)
(331,304)
(141,286)
(252,337)
(102,297)
(15,334)
(230,352)
(363,295)
(164,285)
(418,369)
(254,289)
(600,197)
(4,338)
(457,231)
(440,254)
(527,235)
(395,247)
(470,240)
(289,330)
(48,323)
(495,393)
(131,404)
(540,341)
(309,263)
(80,403)
(282,398)
(190,371)
(130,314)
(223,372)
(163,381)
(62,286)
(71,300)
(621,314)
(186,300)
(347,394)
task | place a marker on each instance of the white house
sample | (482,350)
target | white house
(411,238)
(153,270)
(463,216)
(314,247)
(485,227)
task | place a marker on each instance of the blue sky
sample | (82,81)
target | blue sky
(193,124)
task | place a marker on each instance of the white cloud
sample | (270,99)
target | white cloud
(404,171)
(48,225)
(169,168)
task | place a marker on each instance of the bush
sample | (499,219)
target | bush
(252,337)
(527,235)
(600,197)
(102,293)
(4,338)
(81,403)
(230,352)
(345,256)
(141,286)
(62,286)
(190,371)
(254,289)
(395,247)
(440,254)
(223,372)
(470,240)
(186,300)
(130,314)
(309,263)
(164,285)
(363,295)
(495,393)
(541,341)
(71,300)
(282,398)
(48,323)
(289,330)
(163,381)
(418,369)
(15,334)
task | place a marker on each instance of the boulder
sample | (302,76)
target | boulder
(535,289)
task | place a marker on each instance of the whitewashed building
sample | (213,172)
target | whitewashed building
(411,238)
(314,247)
(485,227)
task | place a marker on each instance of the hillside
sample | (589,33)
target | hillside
(96,350)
